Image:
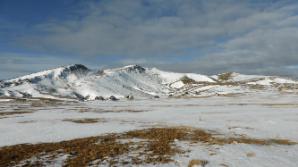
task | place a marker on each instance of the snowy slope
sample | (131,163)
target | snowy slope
(253,79)
(79,82)
(170,77)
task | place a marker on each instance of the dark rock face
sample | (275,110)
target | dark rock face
(5,84)
(130,97)
(136,68)
(12,94)
(113,98)
(99,98)
(156,96)
(79,96)
(26,95)
(78,67)
(100,72)
(74,69)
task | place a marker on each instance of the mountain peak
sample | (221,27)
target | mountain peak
(60,72)
(128,68)
(135,67)
(77,67)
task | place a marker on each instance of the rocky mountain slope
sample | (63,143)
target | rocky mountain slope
(79,82)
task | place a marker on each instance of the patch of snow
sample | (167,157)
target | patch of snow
(283,81)
(5,100)
(178,84)
(170,77)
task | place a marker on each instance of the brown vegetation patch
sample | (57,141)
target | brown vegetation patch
(85,120)
(247,140)
(225,76)
(83,110)
(81,151)
(282,105)
(157,145)
(251,154)
(45,102)
(224,165)
(26,122)
(160,148)
(287,87)
(230,94)
(187,80)
(239,127)
(14,113)
(197,162)
(256,87)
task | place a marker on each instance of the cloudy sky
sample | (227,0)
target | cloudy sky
(203,36)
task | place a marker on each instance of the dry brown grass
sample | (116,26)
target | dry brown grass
(157,145)
(251,154)
(246,140)
(85,120)
(240,127)
(81,151)
(230,94)
(287,87)
(187,80)
(83,110)
(256,87)
(45,102)
(14,113)
(224,165)
(282,105)
(225,76)
(160,148)
(197,162)
(26,122)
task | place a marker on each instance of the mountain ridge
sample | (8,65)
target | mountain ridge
(79,82)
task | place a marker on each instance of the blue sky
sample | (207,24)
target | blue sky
(203,36)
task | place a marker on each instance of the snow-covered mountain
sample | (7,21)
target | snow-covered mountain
(79,82)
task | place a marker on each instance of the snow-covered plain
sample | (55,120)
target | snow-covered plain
(263,116)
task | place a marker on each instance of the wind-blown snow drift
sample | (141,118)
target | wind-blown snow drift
(79,82)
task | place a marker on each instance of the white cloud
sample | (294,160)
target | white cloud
(245,36)
(16,64)
(134,28)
